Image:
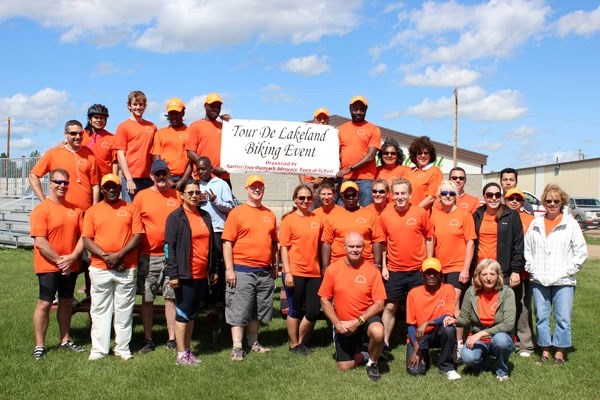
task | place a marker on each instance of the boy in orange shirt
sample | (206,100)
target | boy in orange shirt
(429,311)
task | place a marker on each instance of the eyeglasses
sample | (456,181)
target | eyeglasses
(380,191)
(389,153)
(304,198)
(423,153)
(551,201)
(458,178)
(448,193)
(194,193)
(514,198)
(60,182)
(74,133)
(491,195)
(160,173)
(350,195)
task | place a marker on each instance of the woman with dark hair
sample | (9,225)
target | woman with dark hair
(392,158)
(299,236)
(425,176)
(489,308)
(189,250)
(555,250)
(99,140)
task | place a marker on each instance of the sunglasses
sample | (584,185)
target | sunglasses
(492,195)
(514,198)
(350,195)
(551,201)
(74,133)
(194,193)
(458,178)
(160,173)
(447,193)
(304,198)
(380,191)
(423,153)
(60,182)
(389,153)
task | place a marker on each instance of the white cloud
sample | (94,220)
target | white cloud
(310,65)
(522,132)
(22,144)
(43,109)
(184,25)
(579,23)
(490,146)
(473,103)
(444,76)
(273,93)
(378,69)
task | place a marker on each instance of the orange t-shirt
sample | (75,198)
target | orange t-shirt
(205,140)
(325,216)
(465,201)
(111,226)
(352,289)
(300,234)
(422,305)
(526,220)
(102,145)
(200,243)
(252,231)
(405,235)
(487,303)
(343,222)
(371,207)
(551,224)
(488,238)
(60,224)
(154,208)
(399,171)
(82,169)
(451,232)
(169,144)
(425,182)
(135,139)
(355,140)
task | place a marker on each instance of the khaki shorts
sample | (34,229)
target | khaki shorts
(151,280)
(251,299)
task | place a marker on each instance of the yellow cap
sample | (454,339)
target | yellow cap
(320,111)
(348,185)
(431,263)
(512,191)
(175,104)
(110,178)
(359,98)
(254,178)
(213,98)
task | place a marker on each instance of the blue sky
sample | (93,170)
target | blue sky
(527,72)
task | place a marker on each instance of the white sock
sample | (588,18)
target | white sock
(237,344)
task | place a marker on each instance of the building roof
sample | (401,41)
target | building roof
(404,139)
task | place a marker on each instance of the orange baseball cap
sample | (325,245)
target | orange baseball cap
(431,263)
(512,191)
(348,185)
(362,99)
(320,111)
(110,178)
(175,104)
(254,178)
(213,98)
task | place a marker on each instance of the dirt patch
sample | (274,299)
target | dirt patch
(593,251)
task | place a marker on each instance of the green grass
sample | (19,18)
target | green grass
(595,240)
(277,375)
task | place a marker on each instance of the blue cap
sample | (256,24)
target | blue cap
(158,165)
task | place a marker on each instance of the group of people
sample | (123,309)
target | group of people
(385,241)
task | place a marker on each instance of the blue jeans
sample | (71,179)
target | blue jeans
(501,347)
(545,299)
(364,192)
(140,184)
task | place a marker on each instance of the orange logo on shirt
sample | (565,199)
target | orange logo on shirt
(122,213)
(171,203)
(464,205)
(454,222)
(183,136)
(494,306)
(441,303)
(82,162)
(71,213)
(105,145)
(360,132)
(314,225)
(421,175)
(361,220)
(411,221)
(149,129)
(360,279)
(267,220)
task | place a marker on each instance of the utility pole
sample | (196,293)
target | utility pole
(8,140)
(454,150)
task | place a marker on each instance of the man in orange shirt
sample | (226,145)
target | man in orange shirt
(133,142)
(355,288)
(359,142)
(169,142)
(205,136)
(249,251)
(429,311)
(78,161)
(409,238)
(463,200)
(99,140)
(112,232)
(155,205)
(55,227)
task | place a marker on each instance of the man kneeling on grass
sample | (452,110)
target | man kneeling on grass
(429,310)
(356,289)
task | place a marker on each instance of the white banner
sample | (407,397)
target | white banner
(280,147)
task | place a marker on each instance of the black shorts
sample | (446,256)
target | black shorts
(188,296)
(400,283)
(55,282)
(346,346)
(303,298)
(452,279)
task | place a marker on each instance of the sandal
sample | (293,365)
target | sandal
(559,361)
(543,360)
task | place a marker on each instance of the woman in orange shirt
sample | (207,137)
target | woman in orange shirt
(299,236)
(392,158)
(425,176)
(381,195)
(189,250)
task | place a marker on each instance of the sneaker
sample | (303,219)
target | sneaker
(385,353)
(192,358)
(524,354)
(172,345)
(301,349)
(452,375)
(237,354)
(259,348)
(71,346)
(373,372)
(501,378)
(125,355)
(148,347)
(95,357)
(183,359)
(39,352)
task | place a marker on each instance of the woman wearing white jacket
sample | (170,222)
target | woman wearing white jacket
(555,250)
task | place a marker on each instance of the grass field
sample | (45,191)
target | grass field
(279,375)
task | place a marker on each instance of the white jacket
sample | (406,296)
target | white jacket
(554,260)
